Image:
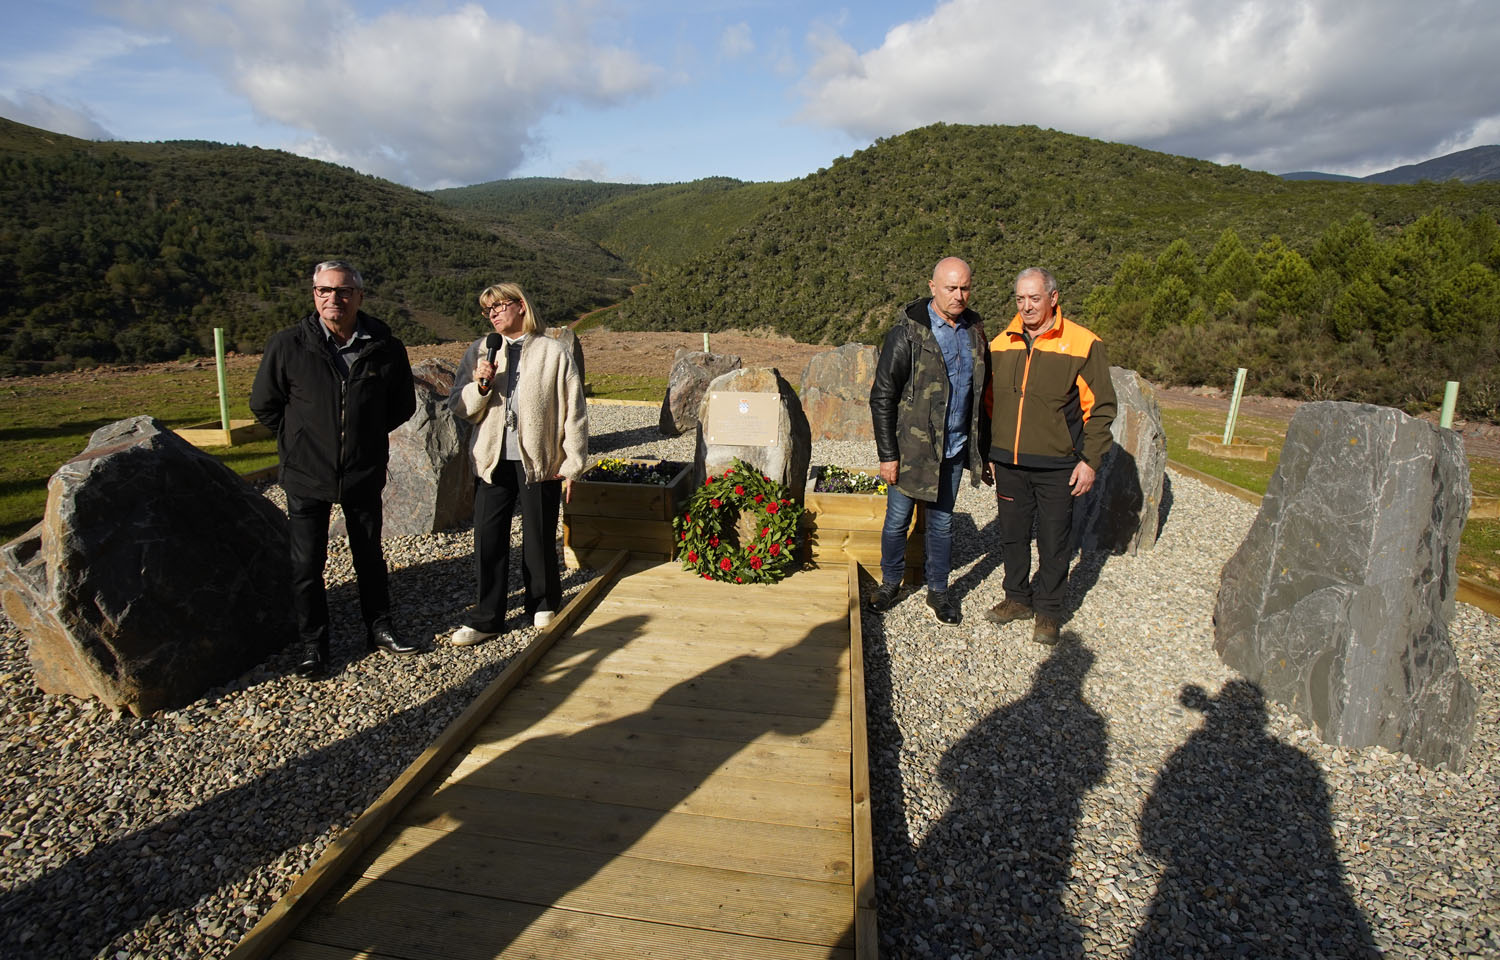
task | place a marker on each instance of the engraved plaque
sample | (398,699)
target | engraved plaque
(742,419)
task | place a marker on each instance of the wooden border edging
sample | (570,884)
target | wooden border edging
(1481,595)
(866,930)
(279,922)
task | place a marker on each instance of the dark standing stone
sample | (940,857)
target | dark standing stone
(155,574)
(1337,604)
(785,459)
(836,392)
(1121,513)
(429,481)
(691,374)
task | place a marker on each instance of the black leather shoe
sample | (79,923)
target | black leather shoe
(314,663)
(381,635)
(942,604)
(885,597)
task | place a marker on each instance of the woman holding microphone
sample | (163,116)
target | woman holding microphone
(523,392)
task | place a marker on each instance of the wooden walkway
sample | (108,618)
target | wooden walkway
(675,769)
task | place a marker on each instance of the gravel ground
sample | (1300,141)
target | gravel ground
(1120,795)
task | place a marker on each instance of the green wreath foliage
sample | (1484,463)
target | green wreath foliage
(704,531)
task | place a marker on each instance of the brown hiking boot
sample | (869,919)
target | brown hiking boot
(1007,610)
(1046,629)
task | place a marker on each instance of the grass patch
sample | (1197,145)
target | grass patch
(1479,549)
(622,386)
(50,420)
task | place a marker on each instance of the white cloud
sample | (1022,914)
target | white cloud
(38,110)
(736,42)
(430,100)
(1319,84)
(598,171)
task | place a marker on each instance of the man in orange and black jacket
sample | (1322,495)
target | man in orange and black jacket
(1051,405)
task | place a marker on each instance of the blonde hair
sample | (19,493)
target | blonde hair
(496,293)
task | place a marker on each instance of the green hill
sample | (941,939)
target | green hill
(133,252)
(835,253)
(650,226)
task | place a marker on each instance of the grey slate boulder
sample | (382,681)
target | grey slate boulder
(785,459)
(1338,602)
(836,392)
(692,372)
(155,574)
(429,481)
(1122,513)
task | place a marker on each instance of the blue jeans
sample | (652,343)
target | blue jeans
(898,511)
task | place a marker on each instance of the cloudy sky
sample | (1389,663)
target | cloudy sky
(440,93)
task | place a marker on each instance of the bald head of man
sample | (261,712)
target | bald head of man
(950,288)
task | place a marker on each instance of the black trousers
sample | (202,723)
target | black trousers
(495,504)
(308,531)
(1026,495)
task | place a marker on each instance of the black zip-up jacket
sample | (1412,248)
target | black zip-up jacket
(331,431)
(909,400)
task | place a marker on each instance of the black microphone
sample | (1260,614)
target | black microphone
(493,343)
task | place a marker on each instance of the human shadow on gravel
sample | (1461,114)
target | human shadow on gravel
(1164,508)
(1001,855)
(603,443)
(1241,822)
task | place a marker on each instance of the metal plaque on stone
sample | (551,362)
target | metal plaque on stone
(742,419)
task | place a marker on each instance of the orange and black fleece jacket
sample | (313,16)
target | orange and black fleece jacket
(1050,405)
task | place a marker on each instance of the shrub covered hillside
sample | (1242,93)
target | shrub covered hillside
(1385,316)
(131,252)
(835,254)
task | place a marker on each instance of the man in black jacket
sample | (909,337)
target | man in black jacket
(332,388)
(925,404)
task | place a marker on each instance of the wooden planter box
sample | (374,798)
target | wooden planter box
(603,518)
(837,527)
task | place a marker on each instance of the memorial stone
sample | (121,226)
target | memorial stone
(155,574)
(692,371)
(836,392)
(429,480)
(1122,513)
(754,415)
(1337,604)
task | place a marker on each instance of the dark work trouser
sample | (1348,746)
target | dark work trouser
(494,505)
(307,530)
(1024,495)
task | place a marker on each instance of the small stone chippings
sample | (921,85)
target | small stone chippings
(1120,795)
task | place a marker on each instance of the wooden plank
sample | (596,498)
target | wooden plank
(644,746)
(866,928)
(702,634)
(563,854)
(705,793)
(652,534)
(724,698)
(673,719)
(466,927)
(284,915)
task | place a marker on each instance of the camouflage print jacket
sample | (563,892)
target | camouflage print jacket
(909,400)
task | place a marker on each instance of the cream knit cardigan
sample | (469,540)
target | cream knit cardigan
(552,418)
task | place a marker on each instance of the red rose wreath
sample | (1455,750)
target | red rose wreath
(739,501)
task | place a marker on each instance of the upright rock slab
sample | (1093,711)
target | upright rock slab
(155,574)
(692,372)
(429,482)
(1122,513)
(1337,604)
(836,392)
(784,456)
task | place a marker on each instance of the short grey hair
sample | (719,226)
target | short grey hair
(1048,280)
(342,266)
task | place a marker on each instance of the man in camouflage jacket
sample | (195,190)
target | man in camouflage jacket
(925,402)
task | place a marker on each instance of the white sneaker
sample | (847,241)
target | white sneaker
(468,637)
(541,618)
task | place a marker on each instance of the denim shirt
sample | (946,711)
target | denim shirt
(954,342)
